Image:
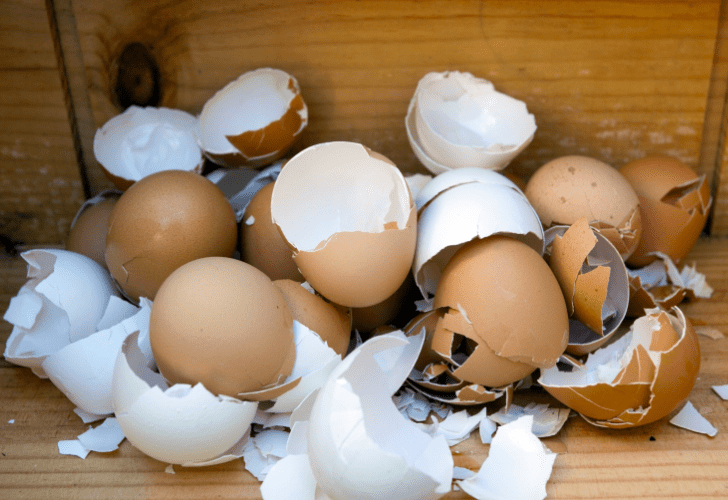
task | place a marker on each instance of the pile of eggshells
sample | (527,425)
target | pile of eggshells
(293,298)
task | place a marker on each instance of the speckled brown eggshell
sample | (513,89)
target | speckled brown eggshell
(162,222)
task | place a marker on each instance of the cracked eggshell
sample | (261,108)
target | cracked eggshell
(63,301)
(456,120)
(221,322)
(253,120)
(87,235)
(162,222)
(594,281)
(466,204)
(570,187)
(636,380)
(674,206)
(142,141)
(506,315)
(348,215)
(181,424)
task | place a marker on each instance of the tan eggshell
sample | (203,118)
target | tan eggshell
(222,322)
(674,205)
(366,319)
(570,187)
(637,380)
(331,322)
(261,243)
(163,221)
(505,307)
(348,215)
(87,235)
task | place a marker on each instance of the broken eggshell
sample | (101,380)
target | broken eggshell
(638,379)
(142,141)
(63,301)
(456,120)
(253,120)
(349,218)
(181,424)
(594,280)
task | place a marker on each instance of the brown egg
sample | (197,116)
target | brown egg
(261,243)
(222,322)
(162,222)
(366,319)
(571,187)
(88,233)
(506,314)
(674,204)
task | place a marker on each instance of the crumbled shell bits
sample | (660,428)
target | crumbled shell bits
(253,120)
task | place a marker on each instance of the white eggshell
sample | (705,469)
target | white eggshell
(180,424)
(63,301)
(452,178)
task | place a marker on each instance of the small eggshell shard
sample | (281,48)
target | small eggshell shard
(142,141)
(689,418)
(348,216)
(359,445)
(155,417)
(253,120)
(87,234)
(594,281)
(674,204)
(518,466)
(568,188)
(636,380)
(547,421)
(63,301)
(463,205)
(456,120)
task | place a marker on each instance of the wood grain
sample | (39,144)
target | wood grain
(656,461)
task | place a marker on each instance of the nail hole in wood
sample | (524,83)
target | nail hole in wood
(137,80)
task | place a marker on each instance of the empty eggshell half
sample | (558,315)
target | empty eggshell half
(457,120)
(181,424)
(594,281)
(142,141)
(348,216)
(253,120)
(636,380)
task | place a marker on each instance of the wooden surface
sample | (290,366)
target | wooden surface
(656,461)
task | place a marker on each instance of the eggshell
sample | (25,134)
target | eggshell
(570,187)
(261,243)
(636,380)
(179,424)
(221,322)
(63,301)
(348,216)
(163,221)
(463,205)
(142,141)
(594,280)
(253,120)
(456,120)
(487,331)
(87,234)
(367,319)
(674,205)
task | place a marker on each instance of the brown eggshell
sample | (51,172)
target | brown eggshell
(162,222)
(261,243)
(674,204)
(331,322)
(570,187)
(485,286)
(366,319)
(222,322)
(87,235)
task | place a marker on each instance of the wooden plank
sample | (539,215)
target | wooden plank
(613,80)
(656,461)
(40,184)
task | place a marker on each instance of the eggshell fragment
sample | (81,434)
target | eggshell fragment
(689,418)
(142,141)
(87,234)
(456,120)
(636,380)
(63,300)
(348,216)
(253,120)
(154,416)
